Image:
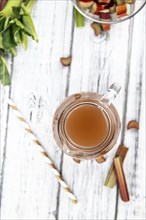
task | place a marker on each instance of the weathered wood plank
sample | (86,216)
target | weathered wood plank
(38,84)
(134,164)
(4,112)
(30,191)
(94,68)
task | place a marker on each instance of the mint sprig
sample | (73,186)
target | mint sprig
(15,26)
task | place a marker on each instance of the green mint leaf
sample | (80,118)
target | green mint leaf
(28,24)
(8,39)
(16,34)
(4,73)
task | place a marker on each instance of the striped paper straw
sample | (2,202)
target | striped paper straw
(42,151)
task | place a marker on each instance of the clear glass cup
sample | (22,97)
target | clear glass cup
(104,104)
(133,9)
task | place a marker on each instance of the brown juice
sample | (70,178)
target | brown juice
(87,125)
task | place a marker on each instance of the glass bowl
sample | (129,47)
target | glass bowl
(133,9)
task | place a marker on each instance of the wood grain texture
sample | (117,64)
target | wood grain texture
(39,84)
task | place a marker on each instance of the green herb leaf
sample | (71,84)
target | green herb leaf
(4,73)
(16,34)
(2,22)
(15,26)
(8,39)
(1,42)
(28,24)
(24,40)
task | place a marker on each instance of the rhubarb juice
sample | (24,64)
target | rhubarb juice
(87,125)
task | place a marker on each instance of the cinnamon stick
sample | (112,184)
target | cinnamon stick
(111,178)
(121,179)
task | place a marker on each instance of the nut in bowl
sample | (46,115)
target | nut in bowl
(108,11)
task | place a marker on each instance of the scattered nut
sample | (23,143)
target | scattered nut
(96,27)
(133,124)
(66,61)
(100,159)
(77,160)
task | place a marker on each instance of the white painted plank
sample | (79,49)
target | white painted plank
(94,68)
(135,140)
(29,189)
(4,94)
(38,84)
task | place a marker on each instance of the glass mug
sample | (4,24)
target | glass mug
(86,125)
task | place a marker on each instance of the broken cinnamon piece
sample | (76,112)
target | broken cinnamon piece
(100,159)
(133,124)
(121,179)
(97,28)
(77,160)
(66,61)
(111,178)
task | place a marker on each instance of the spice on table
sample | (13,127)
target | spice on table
(77,160)
(97,28)
(100,159)
(111,178)
(66,61)
(133,124)
(121,179)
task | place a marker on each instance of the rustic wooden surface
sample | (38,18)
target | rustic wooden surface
(39,84)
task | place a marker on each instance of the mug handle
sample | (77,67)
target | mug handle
(111,93)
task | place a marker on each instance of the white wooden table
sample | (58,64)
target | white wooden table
(39,84)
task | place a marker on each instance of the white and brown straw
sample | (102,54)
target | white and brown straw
(42,151)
